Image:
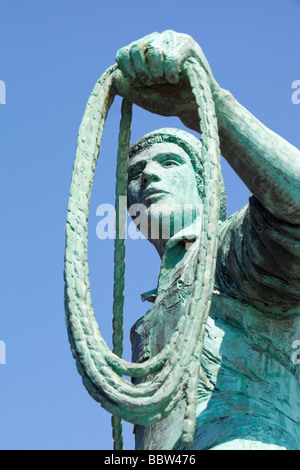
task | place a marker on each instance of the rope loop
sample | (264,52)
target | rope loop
(172,375)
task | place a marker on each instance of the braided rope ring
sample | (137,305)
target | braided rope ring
(173,375)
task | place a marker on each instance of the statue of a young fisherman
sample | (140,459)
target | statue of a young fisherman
(243,271)
(249,390)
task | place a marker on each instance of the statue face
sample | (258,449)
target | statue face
(161,178)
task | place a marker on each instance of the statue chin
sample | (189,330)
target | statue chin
(161,222)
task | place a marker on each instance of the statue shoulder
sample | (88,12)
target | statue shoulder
(258,259)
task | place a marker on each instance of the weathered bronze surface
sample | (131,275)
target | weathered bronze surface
(231,383)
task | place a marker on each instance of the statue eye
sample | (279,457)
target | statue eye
(169,162)
(135,173)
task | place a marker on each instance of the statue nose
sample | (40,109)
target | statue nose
(149,174)
(146,178)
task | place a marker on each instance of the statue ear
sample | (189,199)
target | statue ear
(200,185)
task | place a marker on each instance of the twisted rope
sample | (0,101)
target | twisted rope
(201,298)
(119,255)
(173,375)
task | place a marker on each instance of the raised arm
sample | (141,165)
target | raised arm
(267,163)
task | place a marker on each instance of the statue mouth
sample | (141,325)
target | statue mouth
(151,194)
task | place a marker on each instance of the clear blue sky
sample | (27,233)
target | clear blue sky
(51,54)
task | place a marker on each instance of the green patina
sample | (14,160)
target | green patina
(212,362)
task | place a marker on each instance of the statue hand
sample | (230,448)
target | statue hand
(152,75)
(159,58)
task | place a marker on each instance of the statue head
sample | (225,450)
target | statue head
(165,184)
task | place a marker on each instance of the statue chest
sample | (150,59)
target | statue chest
(248,381)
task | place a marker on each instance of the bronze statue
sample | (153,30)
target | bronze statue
(212,357)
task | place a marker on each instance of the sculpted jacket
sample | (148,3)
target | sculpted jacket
(248,391)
